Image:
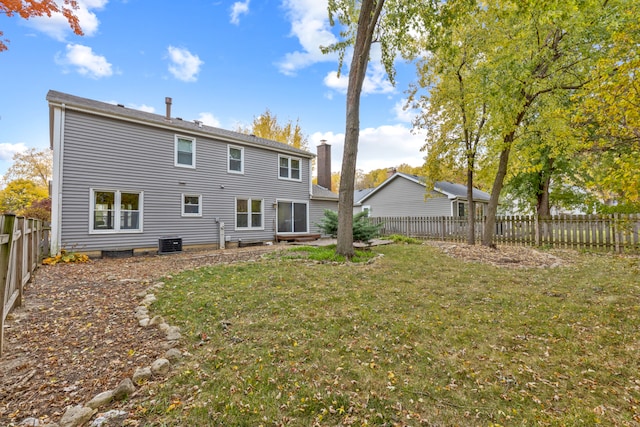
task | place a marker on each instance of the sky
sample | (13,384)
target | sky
(222,62)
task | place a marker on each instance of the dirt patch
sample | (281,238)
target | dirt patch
(502,256)
(76,335)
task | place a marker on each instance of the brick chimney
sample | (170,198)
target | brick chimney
(391,172)
(324,165)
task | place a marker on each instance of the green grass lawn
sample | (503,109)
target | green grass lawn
(414,338)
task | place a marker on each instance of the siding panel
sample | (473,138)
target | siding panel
(109,154)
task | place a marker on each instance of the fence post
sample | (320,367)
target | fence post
(8,221)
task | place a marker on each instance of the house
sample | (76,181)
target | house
(129,179)
(402,195)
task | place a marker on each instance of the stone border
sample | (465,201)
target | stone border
(76,416)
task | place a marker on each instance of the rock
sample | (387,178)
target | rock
(144,322)
(100,399)
(124,389)
(150,298)
(30,422)
(142,294)
(173,355)
(158,285)
(156,320)
(173,334)
(75,416)
(141,375)
(164,327)
(111,418)
(161,367)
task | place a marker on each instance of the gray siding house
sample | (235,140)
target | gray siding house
(124,179)
(403,195)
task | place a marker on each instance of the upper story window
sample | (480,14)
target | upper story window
(185,152)
(236,159)
(249,214)
(114,211)
(191,205)
(289,168)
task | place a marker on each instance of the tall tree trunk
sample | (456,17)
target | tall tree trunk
(543,207)
(369,13)
(498,183)
(471,235)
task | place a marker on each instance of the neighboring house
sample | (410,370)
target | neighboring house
(124,179)
(403,195)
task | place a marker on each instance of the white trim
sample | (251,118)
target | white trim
(249,213)
(235,147)
(191,215)
(289,168)
(116,216)
(57,136)
(193,151)
(305,202)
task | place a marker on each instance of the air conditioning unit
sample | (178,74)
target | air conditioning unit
(168,245)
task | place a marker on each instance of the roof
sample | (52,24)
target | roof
(320,193)
(77,103)
(449,189)
(359,194)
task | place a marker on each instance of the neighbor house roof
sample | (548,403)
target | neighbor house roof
(449,189)
(119,111)
(320,193)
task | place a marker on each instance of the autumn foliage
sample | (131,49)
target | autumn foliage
(32,9)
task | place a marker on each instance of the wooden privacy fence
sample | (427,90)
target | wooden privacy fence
(22,243)
(615,232)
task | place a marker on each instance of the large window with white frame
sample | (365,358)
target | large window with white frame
(293,217)
(185,152)
(249,214)
(191,205)
(235,157)
(289,168)
(115,211)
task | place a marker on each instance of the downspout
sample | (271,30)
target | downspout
(57,143)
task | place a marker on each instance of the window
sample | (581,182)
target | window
(249,214)
(185,152)
(367,209)
(115,211)
(292,217)
(191,205)
(289,168)
(236,159)
(462,208)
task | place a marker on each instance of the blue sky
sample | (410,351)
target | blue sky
(222,62)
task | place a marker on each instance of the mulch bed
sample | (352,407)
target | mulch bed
(76,334)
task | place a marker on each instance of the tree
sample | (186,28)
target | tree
(33,165)
(454,111)
(19,194)
(526,52)
(607,116)
(394,24)
(31,9)
(266,126)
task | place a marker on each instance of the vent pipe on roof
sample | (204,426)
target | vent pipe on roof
(167,101)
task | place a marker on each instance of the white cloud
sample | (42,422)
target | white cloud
(184,65)
(209,119)
(7,150)
(85,61)
(143,107)
(375,82)
(239,8)
(57,26)
(381,147)
(310,25)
